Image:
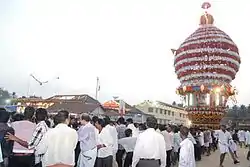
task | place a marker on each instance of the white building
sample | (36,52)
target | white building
(165,113)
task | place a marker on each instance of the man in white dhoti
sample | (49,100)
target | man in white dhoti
(88,143)
(224,137)
(186,157)
(241,136)
(150,148)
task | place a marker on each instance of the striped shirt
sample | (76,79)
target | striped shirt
(40,130)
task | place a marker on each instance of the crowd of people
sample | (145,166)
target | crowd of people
(33,139)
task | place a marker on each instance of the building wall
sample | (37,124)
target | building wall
(98,111)
(165,113)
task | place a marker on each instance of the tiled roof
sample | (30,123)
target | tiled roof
(73,107)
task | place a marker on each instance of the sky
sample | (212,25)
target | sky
(124,43)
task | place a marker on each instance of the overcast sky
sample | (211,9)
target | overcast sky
(125,42)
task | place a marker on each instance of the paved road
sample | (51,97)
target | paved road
(213,160)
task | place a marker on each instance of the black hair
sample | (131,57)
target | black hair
(151,122)
(142,127)
(85,117)
(41,114)
(56,120)
(17,117)
(162,127)
(101,122)
(4,116)
(62,116)
(129,120)
(95,119)
(106,120)
(121,120)
(128,132)
(29,112)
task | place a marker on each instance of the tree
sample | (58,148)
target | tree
(5,96)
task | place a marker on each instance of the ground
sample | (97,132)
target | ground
(213,160)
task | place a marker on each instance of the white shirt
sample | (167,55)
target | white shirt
(105,138)
(168,137)
(150,145)
(247,135)
(241,135)
(186,158)
(223,137)
(58,146)
(135,131)
(201,138)
(128,143)
(114,135)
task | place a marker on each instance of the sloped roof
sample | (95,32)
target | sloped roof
(83,98)
(73,107)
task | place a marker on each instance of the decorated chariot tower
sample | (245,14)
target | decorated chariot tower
(206,63)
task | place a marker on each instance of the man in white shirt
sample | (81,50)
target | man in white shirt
(88,143)
(201,140)
(128,143)
(168,137)
(105,145)
(58,144)
(135,131)
(150,149)
(114,135)
(186,158)
(223,138)
(241,135)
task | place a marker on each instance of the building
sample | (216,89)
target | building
(75,104)
(113,110)
(165,113)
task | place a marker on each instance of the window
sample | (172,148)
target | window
(160,111)
(156,110)
(180,115)
(172,113)
(150,109)
(169,112)
(165,112)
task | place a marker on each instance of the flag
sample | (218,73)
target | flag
(122,107)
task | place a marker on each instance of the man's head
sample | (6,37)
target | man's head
(94,119)
(120,121)
(223,127)
(41,114)
(63,117)
(4,116)
(184,132)
(129,120)
(151,122)
(29,113)
(85,118)
(169,129)
(107,120)
(128,132)
(100,123)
